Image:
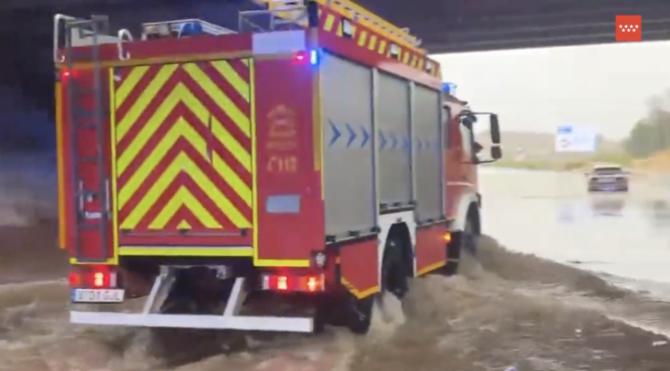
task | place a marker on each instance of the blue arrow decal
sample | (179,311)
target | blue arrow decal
(382,140)
(366,136)
(406,143)
(352,135)
(394,141)
(336,133)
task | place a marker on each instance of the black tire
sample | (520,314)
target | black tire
(359,313)
(453,255)
(469,236)
(394,269)
(464,241)
(394,279)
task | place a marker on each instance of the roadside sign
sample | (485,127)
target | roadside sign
(571,138)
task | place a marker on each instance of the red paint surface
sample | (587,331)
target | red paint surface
(430,246)
(87,236)
(285,160)
(359,264)
(170,47)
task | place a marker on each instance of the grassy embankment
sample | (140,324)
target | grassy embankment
(565,164)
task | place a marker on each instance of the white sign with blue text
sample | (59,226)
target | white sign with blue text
(571,138)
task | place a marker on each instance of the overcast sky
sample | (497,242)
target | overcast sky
(607,87)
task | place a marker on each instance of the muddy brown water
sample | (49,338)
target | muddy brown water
(509,309)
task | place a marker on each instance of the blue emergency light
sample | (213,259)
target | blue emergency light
(191,29)
(448,87)
(314,57)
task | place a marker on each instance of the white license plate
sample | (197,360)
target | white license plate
(97,295)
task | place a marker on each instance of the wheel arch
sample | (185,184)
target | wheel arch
(468,205)
(400,231)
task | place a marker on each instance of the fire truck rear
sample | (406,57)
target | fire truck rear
(261,179)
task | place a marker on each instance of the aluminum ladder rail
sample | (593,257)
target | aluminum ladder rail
(352,10)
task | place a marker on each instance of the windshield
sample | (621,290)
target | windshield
(607,170)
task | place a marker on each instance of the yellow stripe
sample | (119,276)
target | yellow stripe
(252,114)
(432,267)
(236,149)
(184,225)
(330,21)
(362,38)
(405,59)
(382,47)
(231,177)
(289,263)
(239,118)
(357,293)
(182,163)
(317,139)
(112,133)
(144,99)
(62,239)
(229,74)
(185,251)
(110,261)
(129,84)
(180,130)
(184,198)
(373,42)
(180,94)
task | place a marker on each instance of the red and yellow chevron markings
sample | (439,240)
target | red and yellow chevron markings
(183,146)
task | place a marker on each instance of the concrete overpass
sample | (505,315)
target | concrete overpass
(444,26)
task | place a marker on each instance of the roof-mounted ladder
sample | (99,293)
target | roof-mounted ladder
(355,12)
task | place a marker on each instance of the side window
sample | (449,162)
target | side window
(467,139)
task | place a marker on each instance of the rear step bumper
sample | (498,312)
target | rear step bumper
(230,319)
(248,323)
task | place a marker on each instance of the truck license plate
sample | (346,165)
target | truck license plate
(97,295)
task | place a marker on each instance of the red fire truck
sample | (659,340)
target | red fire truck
(259,179)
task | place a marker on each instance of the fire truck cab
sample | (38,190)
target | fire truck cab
(261,179)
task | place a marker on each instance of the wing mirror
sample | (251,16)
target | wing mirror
(495,129)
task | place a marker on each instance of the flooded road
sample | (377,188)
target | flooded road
(551,215)
(510,309)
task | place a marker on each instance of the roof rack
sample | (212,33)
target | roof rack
(358,13)
(174,27)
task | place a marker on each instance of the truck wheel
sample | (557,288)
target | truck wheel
(359,313)
(453,255)
(465,240)
(394,269)
(469,237)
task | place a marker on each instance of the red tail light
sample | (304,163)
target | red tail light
(293,283)
(96,277)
